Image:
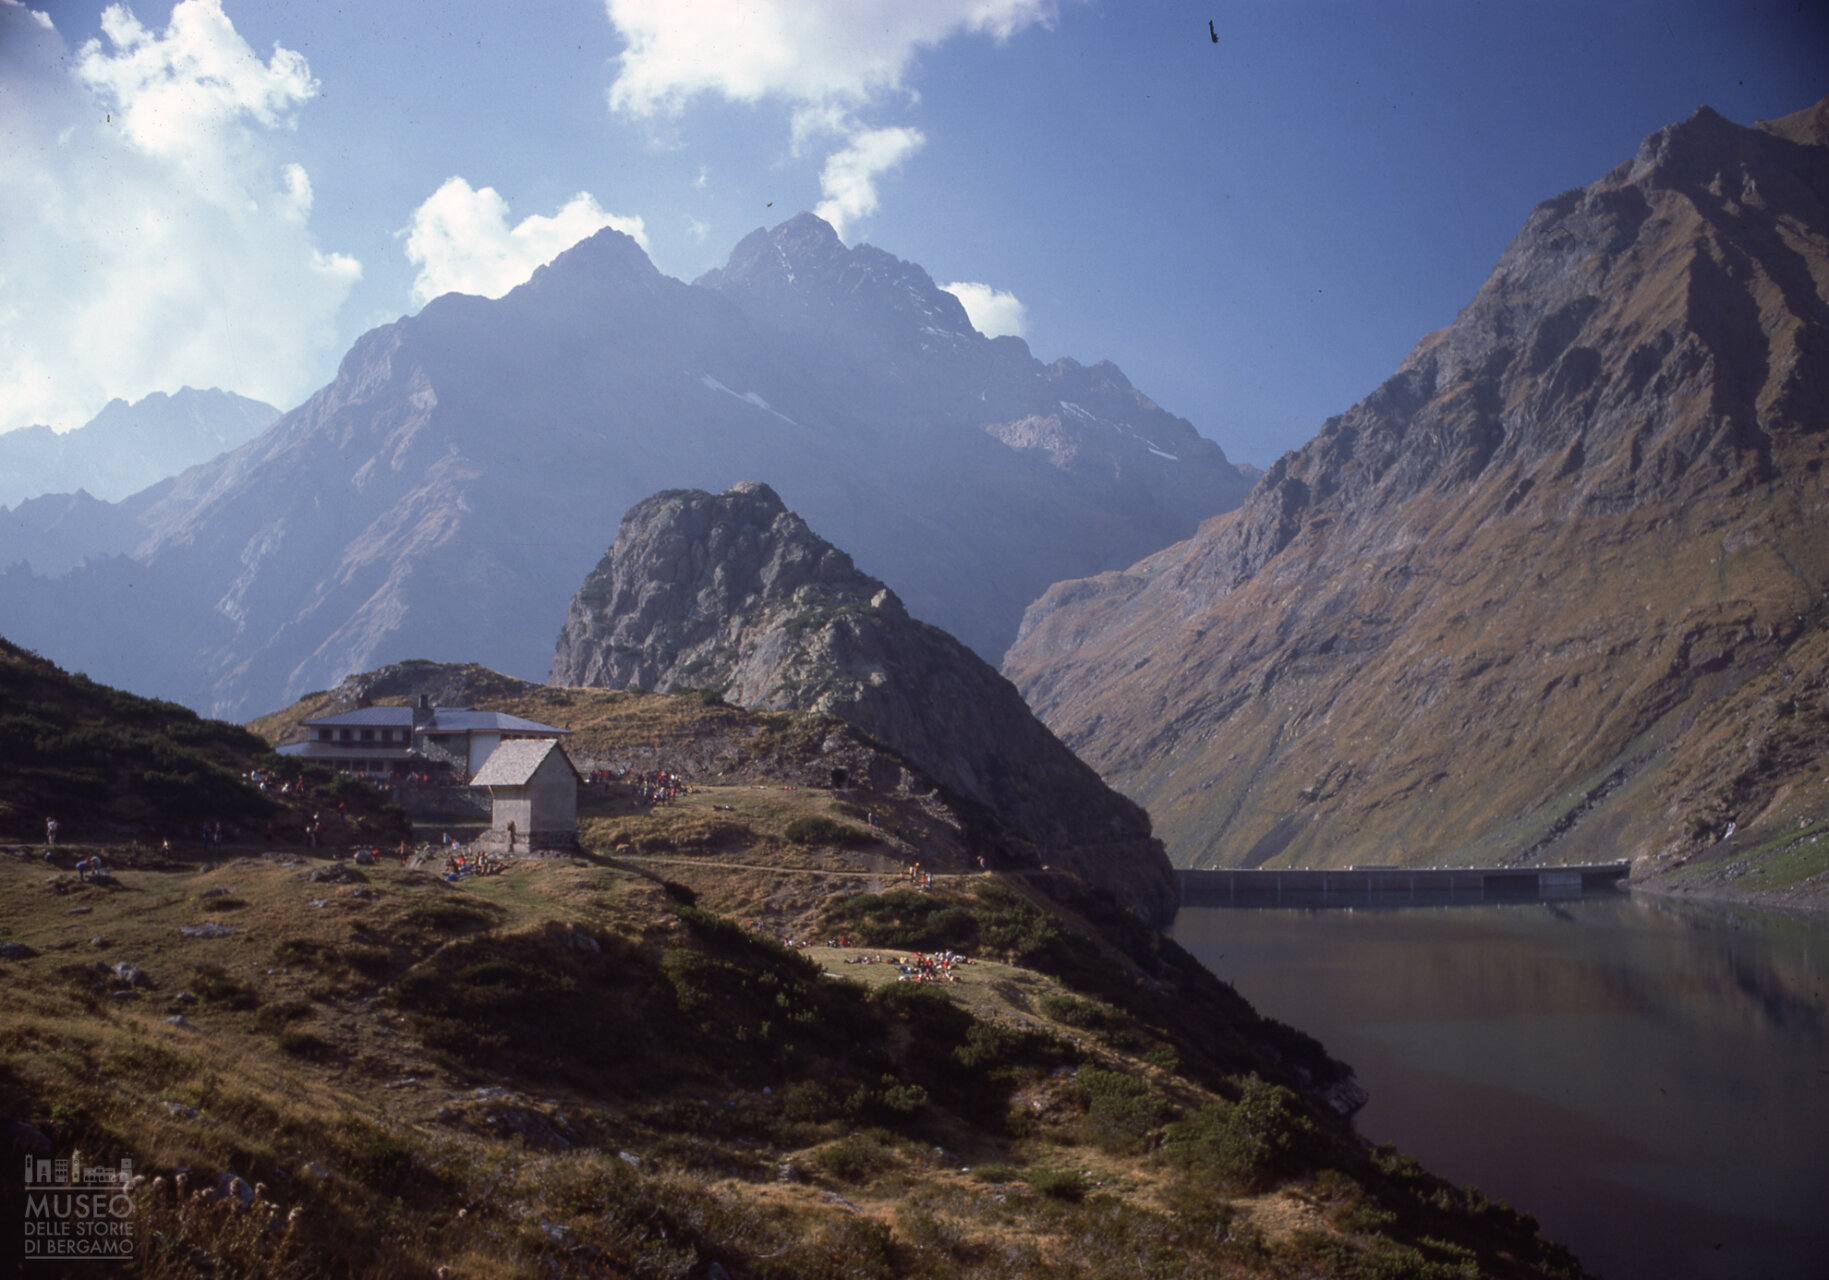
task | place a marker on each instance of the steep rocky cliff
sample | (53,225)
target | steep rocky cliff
(734,593)
(1556,589)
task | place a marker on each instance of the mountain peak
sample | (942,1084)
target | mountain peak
(1564,543)
(734,592)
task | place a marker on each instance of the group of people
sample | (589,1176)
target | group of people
(269,782)
(922,880)
(659,787)
(941,966)
(460,865)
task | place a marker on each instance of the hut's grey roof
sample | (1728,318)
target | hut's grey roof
(514,763)
(442,720)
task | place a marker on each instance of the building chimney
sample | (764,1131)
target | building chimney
(422,711)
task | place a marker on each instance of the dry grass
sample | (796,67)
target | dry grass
(297,1069)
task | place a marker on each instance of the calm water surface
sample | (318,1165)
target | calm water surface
(1649,1078)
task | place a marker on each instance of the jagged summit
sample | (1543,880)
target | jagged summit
(1573,549)
(801,270)
(733,592)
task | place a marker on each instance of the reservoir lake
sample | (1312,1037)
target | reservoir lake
(1648,1077)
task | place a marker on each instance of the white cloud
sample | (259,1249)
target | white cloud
(827,59)
(992,312)
(849,178)
(802,51)
(152,237)
(462,243)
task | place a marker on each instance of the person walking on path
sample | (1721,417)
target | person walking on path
(50,833)
(511,837)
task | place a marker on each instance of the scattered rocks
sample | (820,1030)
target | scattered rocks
(335,873)
(235,1189)
(180,1021)
(79,911)
(629,1158)
(98,941)
(16,951)
(184,997)
(216,891)
(208,929)
(364,858)
(131,974)
(182,1112)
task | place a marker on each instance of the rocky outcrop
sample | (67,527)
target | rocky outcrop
(446,493)
(734,593)
(1515,603)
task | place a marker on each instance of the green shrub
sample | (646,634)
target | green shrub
(1120,1110)
(1059,1184)
(856,1158)
(996,1173)
(1253,1142)
(818,829)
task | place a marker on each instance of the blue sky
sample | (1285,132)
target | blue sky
(1256,230)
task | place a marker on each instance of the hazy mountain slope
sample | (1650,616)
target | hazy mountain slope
(735,594)
(126,447)
(443,497)
(1554,589)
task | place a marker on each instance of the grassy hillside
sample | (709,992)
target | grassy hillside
(117,768)
(646,1060)
(577,1068)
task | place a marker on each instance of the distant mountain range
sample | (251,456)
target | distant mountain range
(1554,591)
(445,495)
(127,447)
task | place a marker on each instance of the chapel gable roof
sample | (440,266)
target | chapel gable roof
(515,762)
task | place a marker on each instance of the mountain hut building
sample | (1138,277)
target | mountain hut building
(534,785)
(389,741)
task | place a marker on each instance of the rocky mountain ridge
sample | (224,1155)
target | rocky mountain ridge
(445,494)
(127,447)
(1555,590)
(735,594)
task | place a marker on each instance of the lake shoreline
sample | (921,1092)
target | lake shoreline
(1812,905)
